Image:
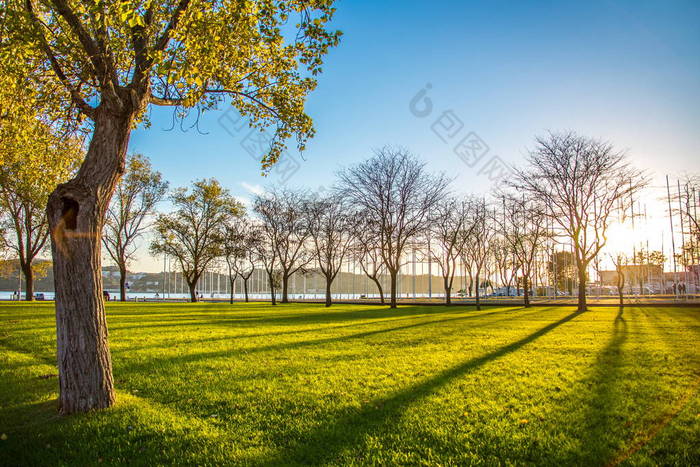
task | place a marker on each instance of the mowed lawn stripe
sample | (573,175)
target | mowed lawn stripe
(302,384)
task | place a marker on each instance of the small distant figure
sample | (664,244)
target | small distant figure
(157,296)
(105,294)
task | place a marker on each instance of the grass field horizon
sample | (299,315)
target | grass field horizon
(358,384)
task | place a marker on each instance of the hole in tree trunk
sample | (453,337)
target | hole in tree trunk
(69,213)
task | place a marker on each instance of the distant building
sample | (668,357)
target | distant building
(690,279)
(637,276)
(654,278)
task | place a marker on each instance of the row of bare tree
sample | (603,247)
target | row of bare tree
(569,191)
(379,209)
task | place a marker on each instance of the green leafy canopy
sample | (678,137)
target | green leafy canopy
(262,56)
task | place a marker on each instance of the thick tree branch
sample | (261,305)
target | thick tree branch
(165,101)
(164,38)
(76,97)
(106,73)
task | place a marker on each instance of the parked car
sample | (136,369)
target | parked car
(39,296)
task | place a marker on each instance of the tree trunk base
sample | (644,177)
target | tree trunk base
(84,360)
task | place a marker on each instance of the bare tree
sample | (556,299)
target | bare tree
(134,200)
(468,265)
(264,251)
(477,243)
(330,226)
(583,182)
(194,233)
(646,262)
(396,192)
(282,212)
(620,262)
(523,225)
(505,262)
(367,251)
(240,239)
(687,199)
(450,223)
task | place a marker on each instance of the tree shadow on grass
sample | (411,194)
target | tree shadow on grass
(28,350)
(611,408)
(193,357)
(668,323)
(24,388)
(232,337)
(350,426)
(295,319)
(604,415)
(304,317)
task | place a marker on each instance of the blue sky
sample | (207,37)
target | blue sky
(625,71)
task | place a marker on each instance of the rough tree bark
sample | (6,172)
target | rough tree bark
(245,288)
(76,213)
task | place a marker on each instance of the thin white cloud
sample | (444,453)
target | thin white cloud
(244,200)
(254,189)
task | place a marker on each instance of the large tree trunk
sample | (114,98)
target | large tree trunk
(192,286)
(76,212)
(329,282)
(582,306)
(232,282)
(122,283)
(392,275)
(28,281)
(245,289)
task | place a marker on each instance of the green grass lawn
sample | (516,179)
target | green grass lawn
(301,384)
